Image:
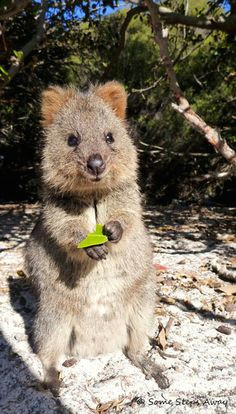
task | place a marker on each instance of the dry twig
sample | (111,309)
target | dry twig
(182,105)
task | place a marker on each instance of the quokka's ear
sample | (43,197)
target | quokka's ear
(53,98)
(113,93)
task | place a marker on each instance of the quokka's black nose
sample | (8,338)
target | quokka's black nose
(95,164)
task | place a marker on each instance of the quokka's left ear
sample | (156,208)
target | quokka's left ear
(113,93)
(53,98)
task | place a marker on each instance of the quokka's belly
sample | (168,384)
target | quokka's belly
(101,325)
(99,334)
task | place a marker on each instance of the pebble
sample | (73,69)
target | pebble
(224,329)
(69,362)
(230,307)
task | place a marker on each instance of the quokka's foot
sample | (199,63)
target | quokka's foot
(52,381)
(151,370)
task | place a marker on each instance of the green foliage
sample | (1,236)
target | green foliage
(77,48)
(18,54)
(3,72)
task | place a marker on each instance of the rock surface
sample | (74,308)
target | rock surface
(198,357)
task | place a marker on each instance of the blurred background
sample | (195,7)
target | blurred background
(79,42)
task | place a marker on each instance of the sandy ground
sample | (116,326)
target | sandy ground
(198,359)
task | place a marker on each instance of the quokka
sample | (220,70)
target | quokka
(101,298)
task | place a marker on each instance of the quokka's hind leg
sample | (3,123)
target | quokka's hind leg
(52,334)
(138,344)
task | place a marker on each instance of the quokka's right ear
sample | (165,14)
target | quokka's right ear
(113,93)
(53,98)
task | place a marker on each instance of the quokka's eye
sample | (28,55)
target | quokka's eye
(73,140)
(109,138)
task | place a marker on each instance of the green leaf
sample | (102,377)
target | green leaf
(18,54)
(4,71)
(75,59)
(93,239)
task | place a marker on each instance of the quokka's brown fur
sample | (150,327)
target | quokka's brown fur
(99,299)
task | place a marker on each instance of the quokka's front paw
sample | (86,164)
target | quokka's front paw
(97,252)
(113,230)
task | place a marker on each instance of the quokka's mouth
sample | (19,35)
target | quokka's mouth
(89,177)
(96,179)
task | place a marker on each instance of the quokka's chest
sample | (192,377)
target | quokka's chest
(98,212)
(105,279)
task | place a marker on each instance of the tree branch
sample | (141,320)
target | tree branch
(12,7)
(130,14)
(29,46)
(232,6)
(183,106)
(213,176)
(225,24)
(148,88)
(157,150)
